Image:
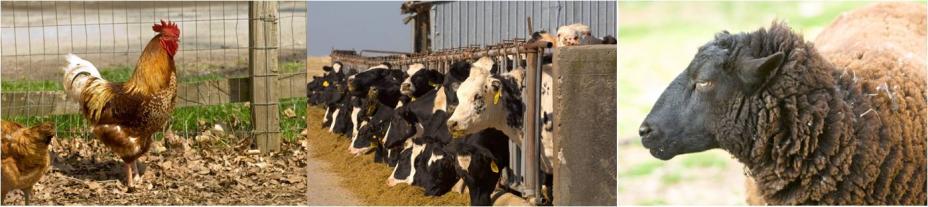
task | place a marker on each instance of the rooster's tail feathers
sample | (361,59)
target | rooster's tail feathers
(77,76)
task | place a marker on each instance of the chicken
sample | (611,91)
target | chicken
(125,115)
(25,156)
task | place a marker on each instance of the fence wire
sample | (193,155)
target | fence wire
(212,63)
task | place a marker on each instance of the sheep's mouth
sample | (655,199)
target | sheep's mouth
(662,153)
(659,147)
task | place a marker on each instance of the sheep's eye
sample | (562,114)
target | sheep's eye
(703,85)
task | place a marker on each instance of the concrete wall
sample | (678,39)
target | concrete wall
(585,125)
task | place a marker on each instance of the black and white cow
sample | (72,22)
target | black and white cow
(490,100)
(333,93)
(383,80)
(420,80)
(411,119)
(480,159)
(377,86)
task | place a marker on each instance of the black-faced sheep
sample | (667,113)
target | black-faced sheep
(842,122)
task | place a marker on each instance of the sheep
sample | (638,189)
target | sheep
(841,125)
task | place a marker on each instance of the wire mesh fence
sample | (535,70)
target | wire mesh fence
(212,62)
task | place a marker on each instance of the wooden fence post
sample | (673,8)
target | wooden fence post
(262,64)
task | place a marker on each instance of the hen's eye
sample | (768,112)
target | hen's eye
(703,85)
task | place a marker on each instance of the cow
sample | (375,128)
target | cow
(420,80)
(373,87)
(479,159)
(408,126)
(495,101)
(489,100)
(384,80)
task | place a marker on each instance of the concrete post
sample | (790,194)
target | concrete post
(585,125)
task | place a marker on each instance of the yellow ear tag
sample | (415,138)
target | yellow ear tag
(496,97)
(434,85)
(371,109)
(493,167)
(325,83)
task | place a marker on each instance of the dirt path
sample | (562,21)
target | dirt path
(323,186)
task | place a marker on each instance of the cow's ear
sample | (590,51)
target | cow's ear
(326,68)
(754,71)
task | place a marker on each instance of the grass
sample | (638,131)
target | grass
(123,73)
(705,160)
(641,169)
(115,74)
(186,120)
(653,202)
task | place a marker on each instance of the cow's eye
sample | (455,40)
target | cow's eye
(703,85)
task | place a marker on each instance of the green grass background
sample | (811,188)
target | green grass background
(656,42)
(184,119)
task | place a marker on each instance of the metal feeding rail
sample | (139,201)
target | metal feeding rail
(526,178)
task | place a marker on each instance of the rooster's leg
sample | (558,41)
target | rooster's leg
(27,193)
(127,168)
(135,169)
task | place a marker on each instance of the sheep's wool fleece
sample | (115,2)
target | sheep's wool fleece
(878,52)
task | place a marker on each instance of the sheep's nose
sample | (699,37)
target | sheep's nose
(452,125)
(644,130)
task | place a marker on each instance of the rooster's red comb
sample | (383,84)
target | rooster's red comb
(167,28)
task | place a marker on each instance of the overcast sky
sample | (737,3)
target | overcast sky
(356,25)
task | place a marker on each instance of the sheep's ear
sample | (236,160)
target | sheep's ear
(754,71)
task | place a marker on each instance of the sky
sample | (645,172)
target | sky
(356,25)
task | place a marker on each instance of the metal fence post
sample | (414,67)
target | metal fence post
(529,149)
(262,64)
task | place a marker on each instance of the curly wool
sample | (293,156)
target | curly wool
(820,134)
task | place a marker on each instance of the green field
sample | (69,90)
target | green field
(185,120)
(656,42)
(123,73)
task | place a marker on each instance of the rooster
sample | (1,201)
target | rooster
(25,156)
(125,115)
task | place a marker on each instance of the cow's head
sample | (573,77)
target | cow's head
(440,171)
(360,84)
(335,68)
(690,113)
(363,143)
(420,81)
(479,169)
(399,129)
(543,36)
(486,101)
